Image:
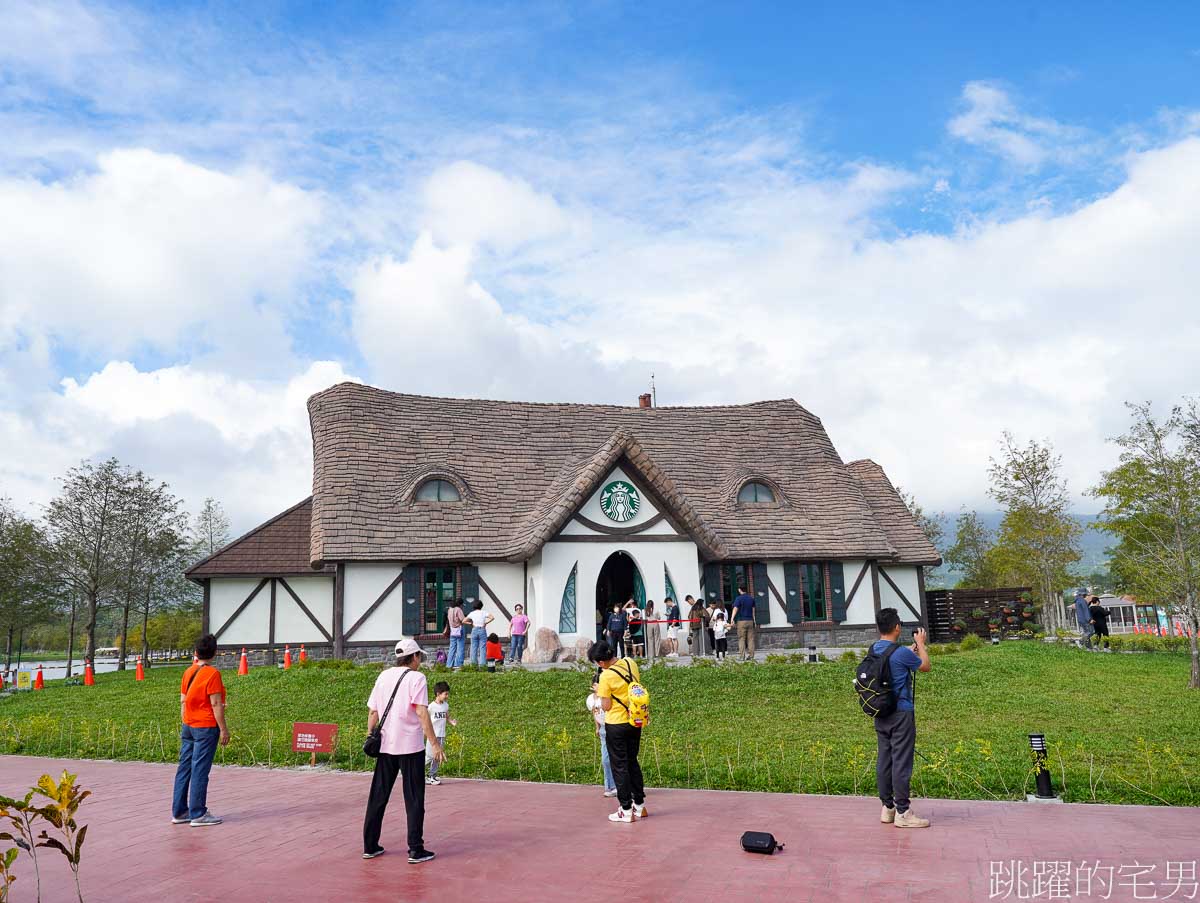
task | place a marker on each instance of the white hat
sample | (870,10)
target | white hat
(408,647)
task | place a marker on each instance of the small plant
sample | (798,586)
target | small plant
(21,814)
(969,642)
(979,614)
(1030,626)
(1008,609)
(849,656)
(64,796)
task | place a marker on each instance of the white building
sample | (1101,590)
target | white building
(562,508)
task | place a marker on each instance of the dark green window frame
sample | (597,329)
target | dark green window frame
(812,581)
(439,590)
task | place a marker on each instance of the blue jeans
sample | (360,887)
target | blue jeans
(609,783)
(454,658)
(478,645)
(516,648)
(197,747)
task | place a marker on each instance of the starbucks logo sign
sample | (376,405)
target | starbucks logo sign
(620,501)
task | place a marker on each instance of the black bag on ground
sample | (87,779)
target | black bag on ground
(873,682)
(760,842)
(374,742)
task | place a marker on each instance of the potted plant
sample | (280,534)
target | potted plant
(1011,619)
(960,625)
(1008,609)
(979,614)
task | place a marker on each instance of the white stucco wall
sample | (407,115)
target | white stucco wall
(506,581)
(905,577)
(252,625)
(559,557)
(535,596)
(364,583)
(861,609)
(291,624)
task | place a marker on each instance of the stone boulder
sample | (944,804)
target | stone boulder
(546,647)
(582,645)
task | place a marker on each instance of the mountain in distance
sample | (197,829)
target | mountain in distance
(1093,544)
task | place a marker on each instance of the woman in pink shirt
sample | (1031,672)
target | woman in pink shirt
(400,699)
(517,630)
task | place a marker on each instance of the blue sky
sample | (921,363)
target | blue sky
(946,217)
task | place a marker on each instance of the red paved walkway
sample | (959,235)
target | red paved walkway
(292,835)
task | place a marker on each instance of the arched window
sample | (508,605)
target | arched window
(755,492)
(438,491)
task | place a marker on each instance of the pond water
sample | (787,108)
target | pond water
(52,670)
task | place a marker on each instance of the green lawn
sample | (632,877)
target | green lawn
(1121,728)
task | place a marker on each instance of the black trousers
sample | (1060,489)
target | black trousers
(616,639)
(897,739)
(411,769)
(624,741)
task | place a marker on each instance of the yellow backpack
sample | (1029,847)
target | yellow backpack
(639,697)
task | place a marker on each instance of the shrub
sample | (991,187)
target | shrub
(979,614)
(1030,626)
(969,642)
(849,656)
(327,664)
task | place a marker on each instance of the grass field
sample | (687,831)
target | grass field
(1121,728)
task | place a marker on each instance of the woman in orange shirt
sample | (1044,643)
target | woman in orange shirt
(202,710)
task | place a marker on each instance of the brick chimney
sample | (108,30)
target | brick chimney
(644,400)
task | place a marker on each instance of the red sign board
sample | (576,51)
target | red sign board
(313,738)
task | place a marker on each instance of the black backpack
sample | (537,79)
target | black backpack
(873,682)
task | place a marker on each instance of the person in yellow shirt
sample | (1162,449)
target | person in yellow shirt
(622,738)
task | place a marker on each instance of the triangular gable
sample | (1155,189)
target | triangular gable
(280,546)
(589,475)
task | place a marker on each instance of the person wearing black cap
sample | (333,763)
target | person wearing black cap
(407,728)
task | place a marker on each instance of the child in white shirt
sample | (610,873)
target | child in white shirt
(439,714)
(593,704)
(719,628)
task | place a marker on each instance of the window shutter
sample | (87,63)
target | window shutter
(794,594)
(712,581)
(837,591)
(469,574)
(412,619)
(762,592)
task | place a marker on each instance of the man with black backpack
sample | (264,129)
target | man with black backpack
(884,684)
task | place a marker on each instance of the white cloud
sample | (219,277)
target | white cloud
(992,121)
(245,442)
(148,248)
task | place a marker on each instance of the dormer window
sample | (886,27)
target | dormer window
(755,492)
(438,491)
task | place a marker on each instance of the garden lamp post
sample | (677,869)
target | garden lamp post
(1037,743)
(812,654)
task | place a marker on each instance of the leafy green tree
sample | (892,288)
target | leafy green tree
(971,553)
(931,526)
(1038,539)
(1152,507)
(27,591)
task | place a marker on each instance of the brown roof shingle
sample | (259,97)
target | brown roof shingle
(528,466)
(280,546)
(903,532)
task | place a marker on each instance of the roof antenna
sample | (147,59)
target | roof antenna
(653,393)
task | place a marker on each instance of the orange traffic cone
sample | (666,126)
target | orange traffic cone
(89,679)
(39,682)
(243,665)
(141,673)
(303,654)
(287,657)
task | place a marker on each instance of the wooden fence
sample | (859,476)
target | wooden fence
(946,606)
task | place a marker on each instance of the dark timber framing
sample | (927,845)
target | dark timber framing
(618,531)
(374,605)
(304,608)
(631,537)
(778,598)
(857,582)
(496,599)
(903,598)
(206,610)
(241,608)
(271,628)
(875,584)
(339,606)
(921,593)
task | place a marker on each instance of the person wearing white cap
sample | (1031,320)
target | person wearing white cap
(400,701)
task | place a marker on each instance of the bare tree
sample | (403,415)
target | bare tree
(210,528)
(85,525)
(1039,539)
(1152,505)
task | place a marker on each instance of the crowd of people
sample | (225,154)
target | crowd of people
(639,633)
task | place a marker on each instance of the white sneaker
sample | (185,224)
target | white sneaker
(181,821)
(610,793)
(639,810)
(206,819)
(433,781)
(887,816)
(909,819)
(625,816)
